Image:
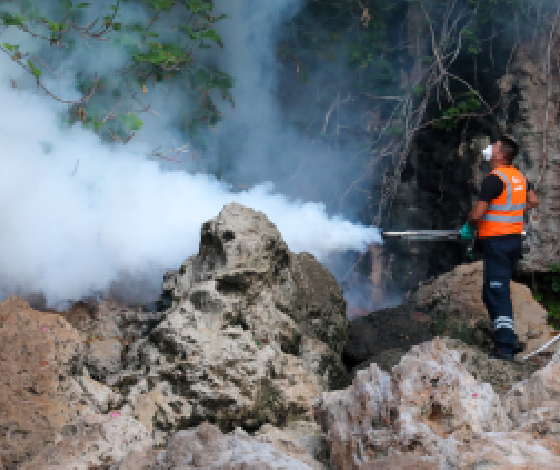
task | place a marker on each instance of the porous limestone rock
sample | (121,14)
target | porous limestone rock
(457,295)
(245,275)
(108,329)
(319,309)
(91,442)
(206,447)
(188,371)
(251,334)
(237,348)
(41,382)
(431,411)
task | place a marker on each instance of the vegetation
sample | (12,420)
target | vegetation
(407,65)
(547,292)
(153,58)
(443,325)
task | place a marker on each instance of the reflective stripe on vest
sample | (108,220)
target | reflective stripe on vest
(508,206)
(503,218)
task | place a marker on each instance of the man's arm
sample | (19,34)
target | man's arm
(532,200)
(492,186)
(477,212)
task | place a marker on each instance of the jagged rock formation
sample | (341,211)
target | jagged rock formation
(233,369)
(441,180)
(430,412)
(251,335)
(457,297)
(537,129)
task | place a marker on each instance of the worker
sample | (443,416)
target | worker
(504,195)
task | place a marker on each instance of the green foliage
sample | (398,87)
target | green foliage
(489,15)
(547,292)
(34,70)
(443,325)
(160,59)
(132,121)
(451,118)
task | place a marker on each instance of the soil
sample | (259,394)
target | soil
(384,336)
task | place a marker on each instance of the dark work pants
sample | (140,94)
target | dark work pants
(500,261)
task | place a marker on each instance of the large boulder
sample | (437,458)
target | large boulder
(43,382)
(233,340)
(430,412)
(245,270)
(206,447)
(235,345)
(456,296)
(319,309)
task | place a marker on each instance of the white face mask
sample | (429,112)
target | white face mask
(487,152)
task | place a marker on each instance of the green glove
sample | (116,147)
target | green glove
(467,232)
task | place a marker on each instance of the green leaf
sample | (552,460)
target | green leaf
(153,35)
(9,20)
(66,4)
(198,6)
(34,70)
(417,90)
(132,121)
(193,35)
(114,7)
(11,47)
(212,35)
(82,5)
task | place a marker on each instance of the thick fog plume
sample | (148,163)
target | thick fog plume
(79,215)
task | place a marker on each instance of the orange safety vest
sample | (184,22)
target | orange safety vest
(504,215)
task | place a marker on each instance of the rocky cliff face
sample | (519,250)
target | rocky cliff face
(442,177)
(538,133)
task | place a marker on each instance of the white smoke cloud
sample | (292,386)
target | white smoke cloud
(78,215)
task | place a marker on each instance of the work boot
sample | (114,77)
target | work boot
(499,354)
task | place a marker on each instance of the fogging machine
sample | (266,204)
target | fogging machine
(438,235)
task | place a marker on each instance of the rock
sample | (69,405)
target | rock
(239,344)
(188,371)
(383,337)
(206,447)
(457,296)
(428,411)
(40,357)
(229,368)
(95,440)
(307,434)
(533,404)
(108,329)
(288,298)
(319,309)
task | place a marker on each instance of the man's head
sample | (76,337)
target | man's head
(503,152)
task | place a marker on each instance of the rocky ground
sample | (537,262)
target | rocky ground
(394,331)
(247,360)
(450,306)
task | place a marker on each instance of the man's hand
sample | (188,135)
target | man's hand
(478,211)
(532,200)
(467,232)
